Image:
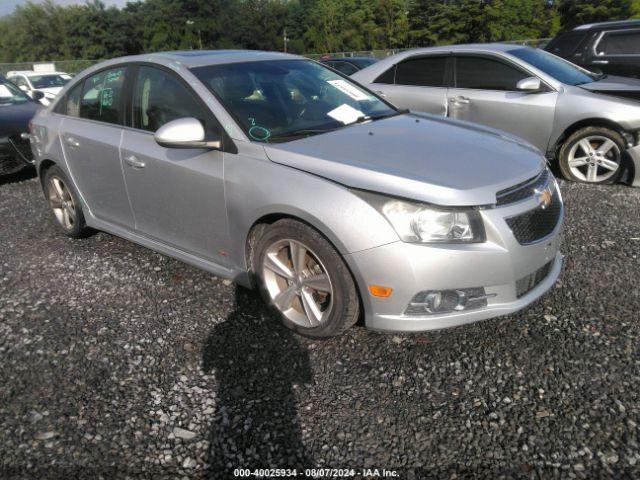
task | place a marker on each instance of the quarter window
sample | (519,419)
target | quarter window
(619,43)
(101,97)
(388,77)
(424,72)
(486,74)
(160,98)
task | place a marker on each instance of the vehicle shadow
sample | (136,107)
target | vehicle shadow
(257,363)
(24,174)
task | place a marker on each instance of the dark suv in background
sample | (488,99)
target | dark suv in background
(609,47)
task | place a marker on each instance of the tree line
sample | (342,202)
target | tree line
(45,31)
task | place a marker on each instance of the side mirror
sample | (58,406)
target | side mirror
(529,84)
(37,95)
(185,132)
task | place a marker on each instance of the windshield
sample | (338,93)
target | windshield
(10,94)
(48,81)
(363,62)
(279,100)
(562,70)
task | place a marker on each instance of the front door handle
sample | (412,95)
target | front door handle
(382,94)
(460,100)
(601,62)
(133,161)
(72,142)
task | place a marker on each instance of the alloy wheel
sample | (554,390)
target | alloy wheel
(594,159)
(298,283)
(62,204)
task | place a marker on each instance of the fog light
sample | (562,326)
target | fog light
(437,302)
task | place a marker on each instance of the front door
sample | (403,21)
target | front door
(90,135)
(485,92)
(177,195)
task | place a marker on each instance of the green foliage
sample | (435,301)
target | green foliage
(45,31)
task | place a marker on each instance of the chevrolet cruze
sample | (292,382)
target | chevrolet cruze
(277,172)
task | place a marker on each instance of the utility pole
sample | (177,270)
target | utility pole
(285,39)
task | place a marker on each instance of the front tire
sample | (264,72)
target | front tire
(592,155)
(305,280)
(64,203)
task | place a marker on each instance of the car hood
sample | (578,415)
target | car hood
(15,118)
(421,157)
(50,92)
(612,83)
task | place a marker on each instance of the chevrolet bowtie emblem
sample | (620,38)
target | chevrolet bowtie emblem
(544,197)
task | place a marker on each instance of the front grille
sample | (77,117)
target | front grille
(534,225)
(23,147)
(9,161)
(523,190)
(531,281)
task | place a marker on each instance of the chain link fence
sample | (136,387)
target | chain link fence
(76,66)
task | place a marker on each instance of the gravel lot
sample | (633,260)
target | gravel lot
(117,361)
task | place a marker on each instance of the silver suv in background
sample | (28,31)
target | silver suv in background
(585,122)
(278,172)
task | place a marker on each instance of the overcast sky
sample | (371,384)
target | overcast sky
(7,6)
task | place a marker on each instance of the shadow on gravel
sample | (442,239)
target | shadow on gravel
(21,176)
(257,364)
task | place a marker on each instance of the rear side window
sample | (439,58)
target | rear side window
(160,98)
(102,95)
(486,74)
(388,77)
(424,72)
(566,44)
(619,43)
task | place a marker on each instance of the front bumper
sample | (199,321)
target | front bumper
(634,154)
(496,265)
(15,154)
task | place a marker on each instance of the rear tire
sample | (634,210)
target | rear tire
(593,155)
(64,203)
(305,280)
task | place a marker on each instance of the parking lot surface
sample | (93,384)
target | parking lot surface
(117,361)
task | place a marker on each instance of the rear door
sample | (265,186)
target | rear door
(617,53)
(177,195)
(91,134)
(417,83)
(485,92)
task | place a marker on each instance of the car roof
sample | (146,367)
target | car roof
(478,47)
(32,73)
(612,24)
(199,58)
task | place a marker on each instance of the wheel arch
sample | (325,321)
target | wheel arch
(574,127)
(43,166)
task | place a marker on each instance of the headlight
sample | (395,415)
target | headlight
(420,223)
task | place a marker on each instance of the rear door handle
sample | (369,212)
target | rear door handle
(133,161)
(601,62)
(460,100)
(72,142)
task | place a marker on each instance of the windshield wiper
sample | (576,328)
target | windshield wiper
(366,118)
(302,133)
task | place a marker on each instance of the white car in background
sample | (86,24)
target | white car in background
(49,83)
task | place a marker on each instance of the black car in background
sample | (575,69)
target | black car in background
(610,47)
(348,65)
(16,110)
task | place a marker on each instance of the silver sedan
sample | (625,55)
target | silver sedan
(583,121)
(277,172)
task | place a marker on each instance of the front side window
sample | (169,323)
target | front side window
(48,81)
(160,98)
(422,71)
(11,95)
(101,97)
(284,99)
(486,74)
(561,70)
(619,43)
